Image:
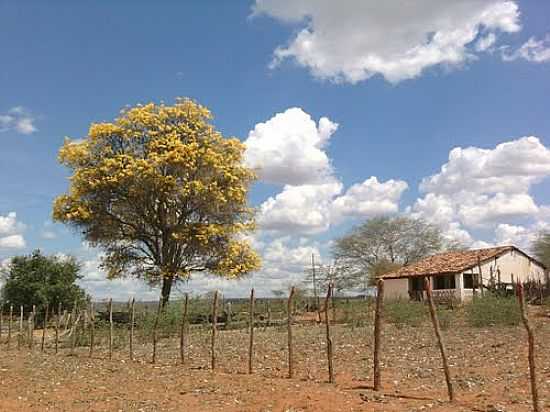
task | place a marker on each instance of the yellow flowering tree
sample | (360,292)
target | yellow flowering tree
(163,193)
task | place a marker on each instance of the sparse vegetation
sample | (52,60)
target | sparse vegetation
(403,313)
(491,310)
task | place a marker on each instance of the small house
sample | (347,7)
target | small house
(458,274)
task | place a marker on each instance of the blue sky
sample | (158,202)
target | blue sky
(404,85)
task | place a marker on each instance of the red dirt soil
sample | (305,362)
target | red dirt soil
(489,368)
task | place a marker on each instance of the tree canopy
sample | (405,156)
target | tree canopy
(39,280)
(383,244)
(541,248)
(163,193)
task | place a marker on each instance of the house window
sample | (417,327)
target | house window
(468,280)
(444,282)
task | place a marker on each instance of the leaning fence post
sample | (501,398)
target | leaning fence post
(92,329)
(110,328)
(132,320)
(329,340)
(440,342)
(378,320)
(45,326)
(251,331)
(9,326)
(289,327)
(214,327)
(183,328)
(57,319)
(531,342)
(155,327)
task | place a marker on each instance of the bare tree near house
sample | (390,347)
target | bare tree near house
(383,244)
(541,250)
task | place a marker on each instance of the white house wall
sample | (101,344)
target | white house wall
(512,263)
(396,289)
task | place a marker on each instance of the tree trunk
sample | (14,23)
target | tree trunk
(166,289)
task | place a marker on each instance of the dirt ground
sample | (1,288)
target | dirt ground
(489,368)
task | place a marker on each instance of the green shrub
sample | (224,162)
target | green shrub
(491,310)
(405,313)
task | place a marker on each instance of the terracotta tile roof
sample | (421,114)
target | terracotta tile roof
(449,262)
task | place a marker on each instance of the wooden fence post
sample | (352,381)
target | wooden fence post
(66,317)
(155,327)
(74,331)
(333,306)
(329,340)
(31,326)
(20,337)
(289,327)
(92,329)
(378,321)
(268,322)
(57,320)
(73,313)
(1,320)
(132,321)
(9,326)
(531,343)
(44,328)
(214,327)
(251,331)
(110,328)
(435,321)
(183,329)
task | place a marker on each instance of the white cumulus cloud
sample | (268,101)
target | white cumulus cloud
(11,236)
(511,167)
(506,234)
(300,209)
(12,242)
(288,148)
(353,40)
(488,189)
(370,198)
